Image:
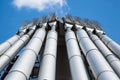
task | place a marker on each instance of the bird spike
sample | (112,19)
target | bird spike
(43,19)
(97,25)
(35,21)
(68,18)
(78,21)
(52,17)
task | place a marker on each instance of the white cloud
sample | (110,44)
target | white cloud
(41,5)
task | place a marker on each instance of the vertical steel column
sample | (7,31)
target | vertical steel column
(77,67)
(99,66)
(110,43)
(111,58)
(48,64)
(24,64)
(13,50)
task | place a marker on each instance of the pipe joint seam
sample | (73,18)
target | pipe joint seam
(19,72)
(82,38)
(9,43)
(100,36)
(38,38)
(30,50)
(70,39)
(51,38)
(8,57)
(18,36)
(108,42)
(108,55)
(90,51)
(114,61)
(74,56)
(28,36)
(49,55)
(103,72)
(91,36)
(94,39)
(22,40)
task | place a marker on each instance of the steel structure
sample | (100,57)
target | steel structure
(53,48)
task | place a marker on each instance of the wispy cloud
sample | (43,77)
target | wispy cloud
(41,5)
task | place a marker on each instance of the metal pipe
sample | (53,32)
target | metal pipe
(13,50)
(99,66)
(110,43)
(77,67)
(111,58)
(7,44)
(48,64)
(24,64)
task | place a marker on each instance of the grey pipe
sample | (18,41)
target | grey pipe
(77,67)
(99,66)
(48,65)
(110,43)
(7,44)
(24,64)
(13,50)
(111,58)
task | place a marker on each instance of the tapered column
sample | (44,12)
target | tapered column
(111,58)
(24,64)
(99,66)
(13,50)
(77,67)
(48,65)
(110,43)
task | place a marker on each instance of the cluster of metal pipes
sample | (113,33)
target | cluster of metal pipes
(85,44)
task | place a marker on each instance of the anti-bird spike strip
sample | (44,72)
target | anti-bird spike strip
(53,48)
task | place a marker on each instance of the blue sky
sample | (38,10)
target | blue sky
(106,12)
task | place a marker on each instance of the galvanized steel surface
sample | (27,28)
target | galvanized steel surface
(7,44)
(111,58)
(12,51)
(97,62)
(77,66)
(48,65)
(27,57)
(88,57)
(111,44)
